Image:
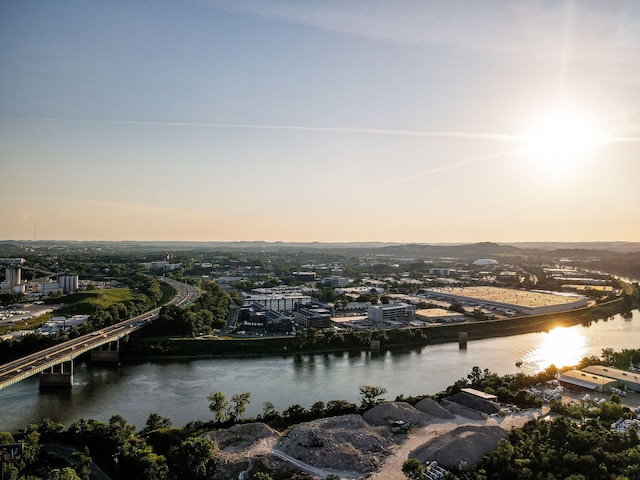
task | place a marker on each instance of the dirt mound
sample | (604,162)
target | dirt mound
(433,408)
(464,444)
(344,441)
(471,401)
(458,409)
(390,411)
(242,437)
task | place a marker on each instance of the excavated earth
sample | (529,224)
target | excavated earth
(346,442)
(354,446)
(461,448)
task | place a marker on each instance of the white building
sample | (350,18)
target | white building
(279,303)
(392,312)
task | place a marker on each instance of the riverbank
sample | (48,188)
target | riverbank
(148,348)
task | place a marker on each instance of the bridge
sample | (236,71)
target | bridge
(55,364)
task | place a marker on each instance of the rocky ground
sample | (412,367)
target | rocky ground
(354,446)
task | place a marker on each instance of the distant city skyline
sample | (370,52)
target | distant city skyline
(279,120)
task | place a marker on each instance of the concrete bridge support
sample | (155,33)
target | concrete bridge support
(109,352)
(60,375)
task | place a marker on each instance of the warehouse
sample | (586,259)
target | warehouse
(587,381)
(527,302)
(626,380)
(439,315)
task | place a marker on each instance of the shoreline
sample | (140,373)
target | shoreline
(150,348)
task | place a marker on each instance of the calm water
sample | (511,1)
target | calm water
(178,390)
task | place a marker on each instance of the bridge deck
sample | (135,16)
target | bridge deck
(35,363)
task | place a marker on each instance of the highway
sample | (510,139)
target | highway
(35,363)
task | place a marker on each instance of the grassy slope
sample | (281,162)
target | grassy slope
(78,304)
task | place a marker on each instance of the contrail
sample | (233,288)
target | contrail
(500,137)
(451,166)
(370,131)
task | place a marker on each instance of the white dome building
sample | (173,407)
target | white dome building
(486,261)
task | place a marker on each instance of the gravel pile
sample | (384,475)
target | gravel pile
(242,437)
(391,411)
(433,408)
(471,401)
(465,412)
(344,441)
(461,448)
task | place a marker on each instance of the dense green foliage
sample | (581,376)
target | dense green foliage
(562,449)
(207,313)
(105,307)
(508,388)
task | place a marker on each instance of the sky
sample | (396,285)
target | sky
(290,120)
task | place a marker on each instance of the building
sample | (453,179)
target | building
(440,272)
(336,281)
(527,302)
(439,315)
(392,312)
(626,380)
(257,319)
(310,316)
(281,303)
(584,380)
(481,394)
(305,276)
(485,262)
(12,261)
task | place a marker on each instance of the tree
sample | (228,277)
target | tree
(413,469)
(295,412)
(82,463)
(269,411)
(67,473)
(218,404)
(239,405)
(155,421)
(370,396)
(193,458)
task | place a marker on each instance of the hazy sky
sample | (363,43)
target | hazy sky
(302,120)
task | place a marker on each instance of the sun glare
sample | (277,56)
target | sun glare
(560,347)
(564,139)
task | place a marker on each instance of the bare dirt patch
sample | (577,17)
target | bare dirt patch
(383,414)
(346,443)
(462,447)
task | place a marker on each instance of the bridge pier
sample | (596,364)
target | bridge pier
(109,352)
(60,375)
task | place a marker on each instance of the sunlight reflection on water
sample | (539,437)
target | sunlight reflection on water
(560,347)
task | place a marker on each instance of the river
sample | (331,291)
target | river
(178,389)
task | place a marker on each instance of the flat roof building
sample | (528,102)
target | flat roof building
(529,302)
(439,315)
(392,312)
(587,381)
(284,302)
(626,380)
(481,394)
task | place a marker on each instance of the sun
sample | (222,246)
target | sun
(564,138)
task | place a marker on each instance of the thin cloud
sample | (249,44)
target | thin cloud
(496,137)
(604,36)
(451,166)
(370,131)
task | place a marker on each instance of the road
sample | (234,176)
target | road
(25,367)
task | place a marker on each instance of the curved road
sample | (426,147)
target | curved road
(25,367)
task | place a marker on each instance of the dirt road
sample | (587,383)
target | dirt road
(392,468)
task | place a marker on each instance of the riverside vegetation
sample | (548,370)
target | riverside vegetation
(557,449)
